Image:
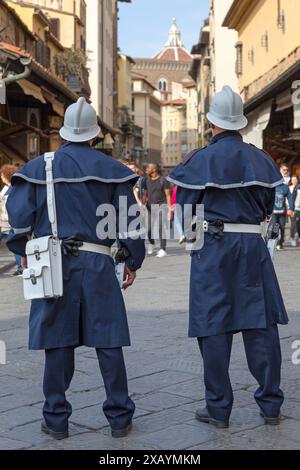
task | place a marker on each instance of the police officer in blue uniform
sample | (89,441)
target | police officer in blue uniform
(233,285)
(91,311)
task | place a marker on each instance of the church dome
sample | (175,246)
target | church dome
(174,49)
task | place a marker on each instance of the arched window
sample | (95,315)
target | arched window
(163,84)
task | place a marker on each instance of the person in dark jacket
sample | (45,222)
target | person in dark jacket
(91,312)
(233,285)
(280,210)
(296,195)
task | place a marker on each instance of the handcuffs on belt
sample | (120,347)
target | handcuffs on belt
(216,228)
(70,246)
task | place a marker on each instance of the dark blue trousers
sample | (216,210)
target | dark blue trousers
(59,371)
(263,354)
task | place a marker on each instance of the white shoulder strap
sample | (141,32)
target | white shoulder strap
(49,157)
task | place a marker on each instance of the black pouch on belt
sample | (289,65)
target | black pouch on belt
(121,255)
(216,229)
(70,246)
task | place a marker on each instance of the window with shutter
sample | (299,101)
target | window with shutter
(39,51)
(55,27)
(47,57)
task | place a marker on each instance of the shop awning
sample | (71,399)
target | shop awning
(284,100)
(57,106)
(258,122)
(31,89)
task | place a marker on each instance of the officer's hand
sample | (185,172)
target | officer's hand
(290,213)
(24,262)
(129,277)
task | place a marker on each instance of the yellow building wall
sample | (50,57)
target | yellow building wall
(68,23)
(141,115)
(261,20)
(37,26)
(124,82)
(155,124)
(26,14)
(77,8)
(171,135)
(192,118)
(54,51)
(8,34)
(33,22)
(68,6)
(66,28)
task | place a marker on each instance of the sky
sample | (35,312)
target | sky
(144,24)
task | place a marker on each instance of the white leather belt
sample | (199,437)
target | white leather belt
(94,248)
(241,228)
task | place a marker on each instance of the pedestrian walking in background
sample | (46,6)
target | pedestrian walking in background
(138,188)
(6,232)
(157,192)
(284,204)
(296,194)
(233,285)
(294,185)
(177,229)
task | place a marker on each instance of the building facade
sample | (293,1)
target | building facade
(47,45)
(168,67)
(223,42)
(35,103)
(179,126)
(100,23)
(268,68)
(214,61)
(168,73)
(201,73)
(191,98)
(131,141)
(174,133)
(67,17)
(66,23)
(102,47)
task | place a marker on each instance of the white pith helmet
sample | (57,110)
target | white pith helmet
(80,123)
(227,110)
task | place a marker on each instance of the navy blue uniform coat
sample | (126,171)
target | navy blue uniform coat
(91,311)
(233,284)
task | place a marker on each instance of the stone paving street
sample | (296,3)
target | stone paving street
(164,369)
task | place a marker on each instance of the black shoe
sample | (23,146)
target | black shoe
(16,274)
(203,416)
(271,421)
(56,435)
(117,433)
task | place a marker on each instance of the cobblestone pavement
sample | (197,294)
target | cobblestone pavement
(164,369)
(6,258)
